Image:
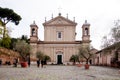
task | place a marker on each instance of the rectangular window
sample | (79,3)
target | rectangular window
(59,35)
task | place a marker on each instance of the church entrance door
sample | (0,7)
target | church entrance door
(59,59)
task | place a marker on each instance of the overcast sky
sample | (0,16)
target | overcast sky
(99,13)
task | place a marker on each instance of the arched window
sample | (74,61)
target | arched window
(33,31)
(86,31)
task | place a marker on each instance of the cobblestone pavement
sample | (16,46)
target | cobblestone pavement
(58,73)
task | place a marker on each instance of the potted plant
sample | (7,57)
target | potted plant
(74,59)
(42,57)
(84,52)
(39,56)
(24,51)
(46,58)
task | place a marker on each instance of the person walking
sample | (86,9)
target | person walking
(29,62)
(42,63)
(15,62)
(0,62)
(38,63)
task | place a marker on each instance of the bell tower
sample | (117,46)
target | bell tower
(33,32)
(86,32)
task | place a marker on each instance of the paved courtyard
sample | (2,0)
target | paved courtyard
(58,73)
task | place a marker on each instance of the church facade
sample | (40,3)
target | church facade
(59,39)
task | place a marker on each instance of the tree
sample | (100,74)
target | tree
(23,48)
(84,52)
(115,32)
(1,28)
(46,58)
(24,37)
(105,42)
(74,59)
(13,42)
(113,37)
(8,15)
(40,55)
(5,42)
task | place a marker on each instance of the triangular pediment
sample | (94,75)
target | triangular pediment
(59,20)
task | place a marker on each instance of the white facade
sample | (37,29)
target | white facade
(59,39)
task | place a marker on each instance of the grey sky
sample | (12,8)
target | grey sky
(99,13)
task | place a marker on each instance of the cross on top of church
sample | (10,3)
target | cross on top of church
(34,22)
(59,9)
(85,21)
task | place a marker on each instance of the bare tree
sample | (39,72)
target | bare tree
(113,37)
(106,42)
(115,32)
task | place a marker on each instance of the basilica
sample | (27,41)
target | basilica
(59,39)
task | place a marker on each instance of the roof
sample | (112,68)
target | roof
(33,24)
(59,21)
(86,23)
(113,46)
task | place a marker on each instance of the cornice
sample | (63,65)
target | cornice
(62,42)
(86,41)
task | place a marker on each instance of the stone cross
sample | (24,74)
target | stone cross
(59,9)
